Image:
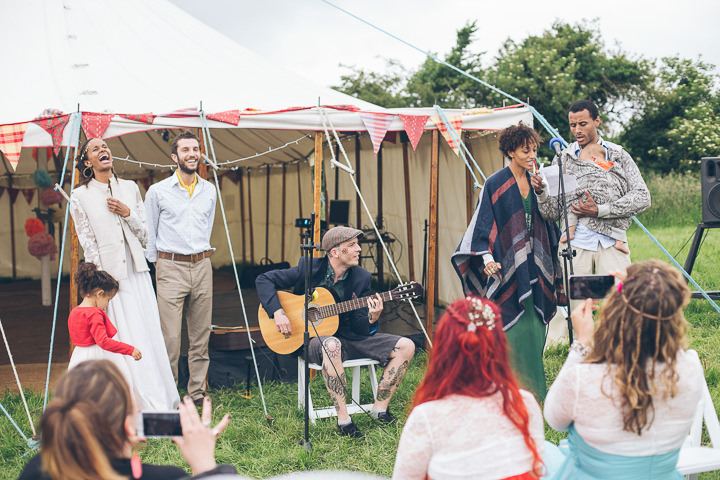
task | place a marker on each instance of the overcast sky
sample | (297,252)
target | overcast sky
(313,38)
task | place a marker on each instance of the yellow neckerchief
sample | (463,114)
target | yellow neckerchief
(190,188)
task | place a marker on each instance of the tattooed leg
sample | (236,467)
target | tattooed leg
(393,374)
(334,376)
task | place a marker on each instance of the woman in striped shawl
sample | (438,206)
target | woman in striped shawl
(509,255)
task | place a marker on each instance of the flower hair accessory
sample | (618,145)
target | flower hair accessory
(480,314)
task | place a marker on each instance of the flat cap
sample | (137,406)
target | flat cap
(337,235)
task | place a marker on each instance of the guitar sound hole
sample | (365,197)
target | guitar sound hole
(313,316)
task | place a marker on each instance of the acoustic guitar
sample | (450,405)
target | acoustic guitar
(324,314)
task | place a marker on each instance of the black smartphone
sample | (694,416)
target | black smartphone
(159,424)
(590,286)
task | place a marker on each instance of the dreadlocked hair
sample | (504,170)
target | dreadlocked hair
(640,326)
(474,363)
(83,427)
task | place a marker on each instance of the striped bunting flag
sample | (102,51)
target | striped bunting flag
(11,138)
(377,125)
(456,122)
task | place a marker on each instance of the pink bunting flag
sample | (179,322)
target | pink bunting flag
(229,116)
(377,125)
(11,139)
(139,117)
(55,126)
(456,122)
(414,127)
(96,124)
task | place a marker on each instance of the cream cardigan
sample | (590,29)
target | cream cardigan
(102,233)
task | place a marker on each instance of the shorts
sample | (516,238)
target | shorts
(378,347)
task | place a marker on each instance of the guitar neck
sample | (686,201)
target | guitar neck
(349,305)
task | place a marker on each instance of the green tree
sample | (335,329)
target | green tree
(565,64)
(679,119)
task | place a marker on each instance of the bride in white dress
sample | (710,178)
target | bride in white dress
(110,223)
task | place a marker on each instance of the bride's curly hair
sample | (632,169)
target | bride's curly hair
(640,326)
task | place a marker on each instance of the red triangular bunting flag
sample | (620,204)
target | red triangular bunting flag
(414,127)
(96,124)
(29,194)
(11,138)
(55,126)
(229,116)
(456,122)
(377,125)
(140,117)
(13,192)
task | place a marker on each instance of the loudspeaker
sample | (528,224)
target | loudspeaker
(710,179)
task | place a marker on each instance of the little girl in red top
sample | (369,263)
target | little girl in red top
(91,330)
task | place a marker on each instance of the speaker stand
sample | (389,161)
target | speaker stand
(692,255)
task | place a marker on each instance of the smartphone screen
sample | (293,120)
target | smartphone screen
(159,424)
(590,286)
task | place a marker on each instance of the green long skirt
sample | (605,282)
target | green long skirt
(526,341)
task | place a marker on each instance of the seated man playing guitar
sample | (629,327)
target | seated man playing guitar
(339,271)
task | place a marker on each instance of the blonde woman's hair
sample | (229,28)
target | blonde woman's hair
(83,427)
(640,325)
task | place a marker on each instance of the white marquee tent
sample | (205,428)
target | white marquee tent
(108,58)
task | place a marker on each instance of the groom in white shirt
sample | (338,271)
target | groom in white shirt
(180,213)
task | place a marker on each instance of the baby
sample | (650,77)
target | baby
(595,153)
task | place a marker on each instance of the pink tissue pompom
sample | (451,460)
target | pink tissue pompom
(42,244)
(49,196)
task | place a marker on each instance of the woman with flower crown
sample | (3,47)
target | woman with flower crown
(469,418)
(628,391)
(109,217)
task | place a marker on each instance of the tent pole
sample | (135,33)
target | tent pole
(252,233)
(318,188)
(282,221)
(239,174)
(337,172)
(381,226)
(358,210)
(468,183)
(267,211)
(430,288)
(408,211)
(300,209)
(12,227)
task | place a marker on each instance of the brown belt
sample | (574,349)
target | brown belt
(176,257)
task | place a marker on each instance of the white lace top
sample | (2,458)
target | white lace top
(461,437)
(576,397)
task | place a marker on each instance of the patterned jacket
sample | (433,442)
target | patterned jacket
(620,192)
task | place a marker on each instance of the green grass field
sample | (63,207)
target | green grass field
(260,450)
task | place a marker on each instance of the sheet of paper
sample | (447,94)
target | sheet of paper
(551,177)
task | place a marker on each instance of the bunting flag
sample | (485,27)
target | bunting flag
(55,126)
(456,122)
(414,127)
(13,192)
(96,124)
(183,112)
(139,117)
(230,116)
(11,138)
(377,125)
(29,194)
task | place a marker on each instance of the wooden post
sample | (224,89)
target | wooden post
(239,174)
(408,212)
(74,256)
(337,173)
(300,209)
(430,289)
(469,186)
(317,187)
(358,206)
(380,253)
(282,220)
(250,220)
(202,167)
(267,211)
(12,228)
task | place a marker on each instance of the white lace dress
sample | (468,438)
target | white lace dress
(459,437)
(134,310)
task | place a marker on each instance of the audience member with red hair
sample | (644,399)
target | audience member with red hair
(470,419)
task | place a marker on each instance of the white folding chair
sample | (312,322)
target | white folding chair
(353,406)
(695,458)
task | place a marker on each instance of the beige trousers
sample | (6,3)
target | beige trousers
(188,286)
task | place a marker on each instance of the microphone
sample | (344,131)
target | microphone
(556,144)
